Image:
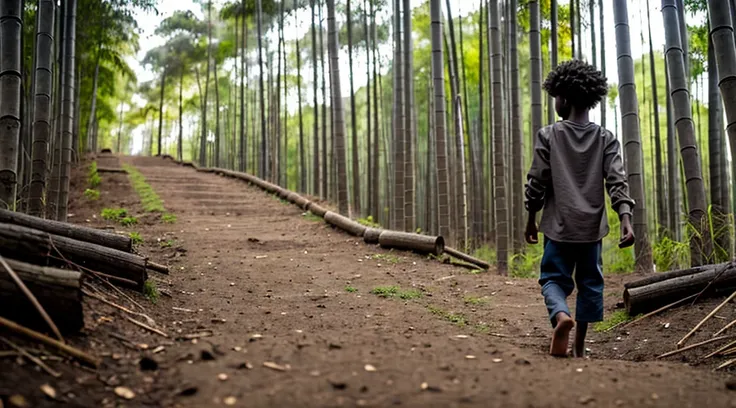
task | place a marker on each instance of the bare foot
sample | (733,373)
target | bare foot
(561,335)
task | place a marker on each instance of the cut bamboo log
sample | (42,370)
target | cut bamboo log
(298,200)
(425,244)
(316,209)
(344,223)
(39,248)
(157,267)
(663,276)
(58,291)
(467,258)
(371,235)
(34,335)
(91,235)
(642,299)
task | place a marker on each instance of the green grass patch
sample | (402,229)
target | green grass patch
(128,221)
(93,178)
(92,194)
(167,244)
(149,199)
(454,318)
(616,318)
(114,214)
(368,222)
(309,216)
(388,258)
(136,238)
(168,218)
(350,289)
(475,300)
(151,291)
(395,291)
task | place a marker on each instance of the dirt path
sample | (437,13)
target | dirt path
(280,288)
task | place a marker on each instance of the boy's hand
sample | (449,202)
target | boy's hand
(627,232)
(531,233)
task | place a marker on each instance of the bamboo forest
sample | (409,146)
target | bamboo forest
(394,141)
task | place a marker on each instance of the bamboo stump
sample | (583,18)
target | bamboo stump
(39,248)
(642,298)
(91,235)
(344,223)
(425,244)
(58,291)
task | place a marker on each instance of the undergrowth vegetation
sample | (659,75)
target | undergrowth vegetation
(119,215)
(92,194)
(93,178)
(151,202)
(135,237)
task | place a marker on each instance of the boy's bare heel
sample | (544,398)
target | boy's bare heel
(561,335)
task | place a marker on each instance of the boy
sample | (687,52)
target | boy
(574,159)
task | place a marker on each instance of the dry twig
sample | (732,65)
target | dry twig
(728,326)
(124,309)
(72,351)
(23,288)
(696,345)
(32,358)
(721,350)
(147,327)
(712,281)
(702,322)
(650,314)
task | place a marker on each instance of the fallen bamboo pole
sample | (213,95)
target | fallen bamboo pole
(344,223)
(728,326)
(32,334)
(371,235)
(157,267)
(91,235)
(467,258)
(414,242)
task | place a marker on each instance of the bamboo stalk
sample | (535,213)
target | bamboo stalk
(157,267)
(32,298)
(147,327)
(728,326)
(74,352)
(32,358)
(702,322)
(721,350)
(692,346)
(660,310)
(727,363)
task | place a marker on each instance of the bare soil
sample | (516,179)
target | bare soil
(294,323)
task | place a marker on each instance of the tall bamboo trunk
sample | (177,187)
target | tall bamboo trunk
(602,28)
(11,24)
(479,179)
(438,73)
(724,54)
(631,135)
(376,210)
(397,219)
(409,126)
(302,147)
(67,109)
(93,103)
(338,122)
(315,108)
(369,156)
(325,164)
(572,29)
(355,198)
(499,159)
(43,72)
(203,136)
(697,204)
(551,115)
(262,158)
(161,110)
(243,151)
(517,135)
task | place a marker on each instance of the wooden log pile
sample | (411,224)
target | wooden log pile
(424,244)
(650,293)
(36,250)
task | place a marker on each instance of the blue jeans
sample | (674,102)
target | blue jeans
(559,261)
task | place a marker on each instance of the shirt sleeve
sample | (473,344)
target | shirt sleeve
(539,175)
(615,175)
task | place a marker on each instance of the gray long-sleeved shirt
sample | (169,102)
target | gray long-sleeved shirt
(572,164)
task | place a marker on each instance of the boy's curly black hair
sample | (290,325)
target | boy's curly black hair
(578,82)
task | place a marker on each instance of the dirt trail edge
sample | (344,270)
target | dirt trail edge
(294,323)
